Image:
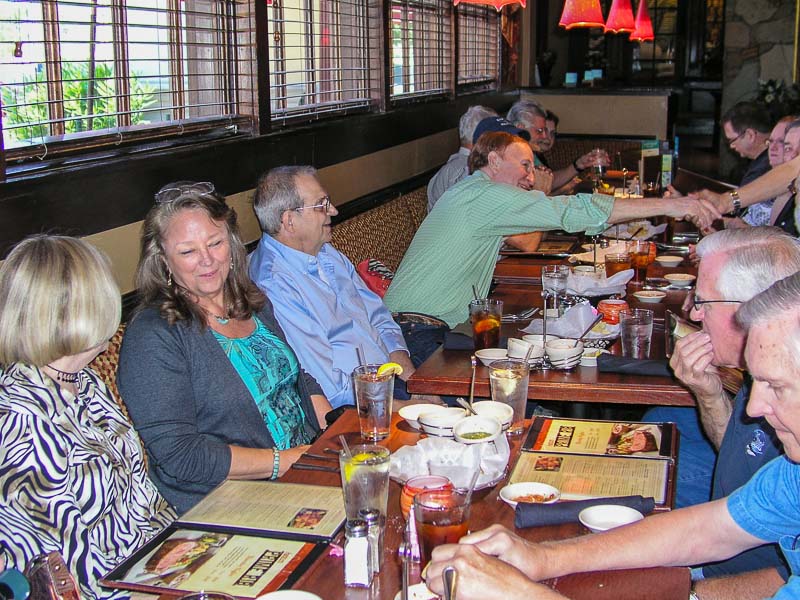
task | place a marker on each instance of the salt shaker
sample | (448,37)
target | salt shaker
(357,559)
(375,525)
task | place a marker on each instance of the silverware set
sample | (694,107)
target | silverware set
(521,316)
(302,466)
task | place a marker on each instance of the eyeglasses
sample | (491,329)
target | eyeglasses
(698,304)
(323,206)
(736,139)
(171,194)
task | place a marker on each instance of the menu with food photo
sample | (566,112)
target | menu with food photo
(597,459)
(245,538)
(577,436)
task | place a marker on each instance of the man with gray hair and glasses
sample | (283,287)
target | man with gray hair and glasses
(721,448)
(532,117)
(325,309)
(495,563)
(455,169)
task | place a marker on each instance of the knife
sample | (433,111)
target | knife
(306,467)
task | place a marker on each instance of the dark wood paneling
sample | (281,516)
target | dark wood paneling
(82,200)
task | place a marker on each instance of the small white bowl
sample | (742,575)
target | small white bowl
(440,422)
(537,338)
(289,595)
(650,296)
(497,410)
(488,427)
(563,349)
(603,517)
(516,492)
(589,357)
(488,355)
(519,348)
(680,279)
(411,413)
(669,261)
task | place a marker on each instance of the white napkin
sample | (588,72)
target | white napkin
(582,285)
(626,230)
(490,457)
(574,322)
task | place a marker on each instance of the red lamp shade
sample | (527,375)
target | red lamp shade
(498,4)
(644,26)
(620,17)
(581,13)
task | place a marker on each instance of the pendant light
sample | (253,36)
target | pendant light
(620,17)
(644,26)
(581,13)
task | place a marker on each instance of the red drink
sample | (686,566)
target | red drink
(432,535)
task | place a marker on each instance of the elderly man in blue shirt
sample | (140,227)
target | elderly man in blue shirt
(325,309)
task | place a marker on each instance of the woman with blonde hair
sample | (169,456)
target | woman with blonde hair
(205,370)
(72,476)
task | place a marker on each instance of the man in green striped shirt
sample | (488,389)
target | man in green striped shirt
(456,246)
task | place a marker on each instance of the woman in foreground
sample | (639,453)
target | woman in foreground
(72,476)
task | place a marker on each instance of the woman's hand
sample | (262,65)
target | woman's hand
(291,456)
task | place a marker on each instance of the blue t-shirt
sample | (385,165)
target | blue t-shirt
(269,369)
(767,508)
(748,445)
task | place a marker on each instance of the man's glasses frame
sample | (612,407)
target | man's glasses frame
(736,139)
(323,206)
(698,304)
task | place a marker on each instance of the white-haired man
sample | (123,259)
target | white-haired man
(723,454)
(494,563)
(455,169)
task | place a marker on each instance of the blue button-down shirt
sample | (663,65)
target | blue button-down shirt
(326,311)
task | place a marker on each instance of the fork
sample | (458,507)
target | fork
(522,316)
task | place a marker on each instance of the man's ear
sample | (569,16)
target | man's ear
(287,221)
(493,160)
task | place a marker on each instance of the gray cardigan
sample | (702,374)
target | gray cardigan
(188,403)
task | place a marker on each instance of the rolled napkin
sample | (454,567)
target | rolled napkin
(574,322)
(609,363)
(536,515)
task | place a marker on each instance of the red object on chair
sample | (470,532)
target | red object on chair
(620,17)
(644,26)
(581,13)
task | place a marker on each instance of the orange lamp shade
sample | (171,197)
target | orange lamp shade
(620,17)
(581,13)
(498,4)
(644,26)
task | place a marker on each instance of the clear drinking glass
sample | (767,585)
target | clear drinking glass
(374,395)
(636,331)
(509,384)
(365,478)
(442,517)
(486,317)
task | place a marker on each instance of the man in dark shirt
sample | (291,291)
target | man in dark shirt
(747,126)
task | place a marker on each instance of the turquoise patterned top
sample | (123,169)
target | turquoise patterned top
(269,369)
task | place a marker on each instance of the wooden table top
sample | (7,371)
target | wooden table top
(448,372)
(326,576)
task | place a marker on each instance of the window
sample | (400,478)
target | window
(478,46)
(78,73)
(324,56)
(420,48)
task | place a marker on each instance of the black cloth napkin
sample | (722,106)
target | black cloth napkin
(609,363)
(453,340)
(535,515)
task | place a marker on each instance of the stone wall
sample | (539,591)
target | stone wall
(759,44)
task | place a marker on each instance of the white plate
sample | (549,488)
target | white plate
(603,517)
(418,591)
(509,493)
(289,595)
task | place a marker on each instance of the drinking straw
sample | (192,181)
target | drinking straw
(529,352)
(360,353)
(475,292)
(472,483)
(345,447)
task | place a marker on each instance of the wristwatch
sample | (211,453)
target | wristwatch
(737,204)
(693,595)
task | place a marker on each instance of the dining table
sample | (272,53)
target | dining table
(325,575)
(517,282)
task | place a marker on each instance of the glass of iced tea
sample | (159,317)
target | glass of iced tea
(442,517)
(486,316)
(639,251)
(616,262)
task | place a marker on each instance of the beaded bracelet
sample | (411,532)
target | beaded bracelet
(276,463)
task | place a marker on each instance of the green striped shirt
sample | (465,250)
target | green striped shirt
(456,246)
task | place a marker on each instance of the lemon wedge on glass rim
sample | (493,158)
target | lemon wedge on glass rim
(389,368)
(358,459)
